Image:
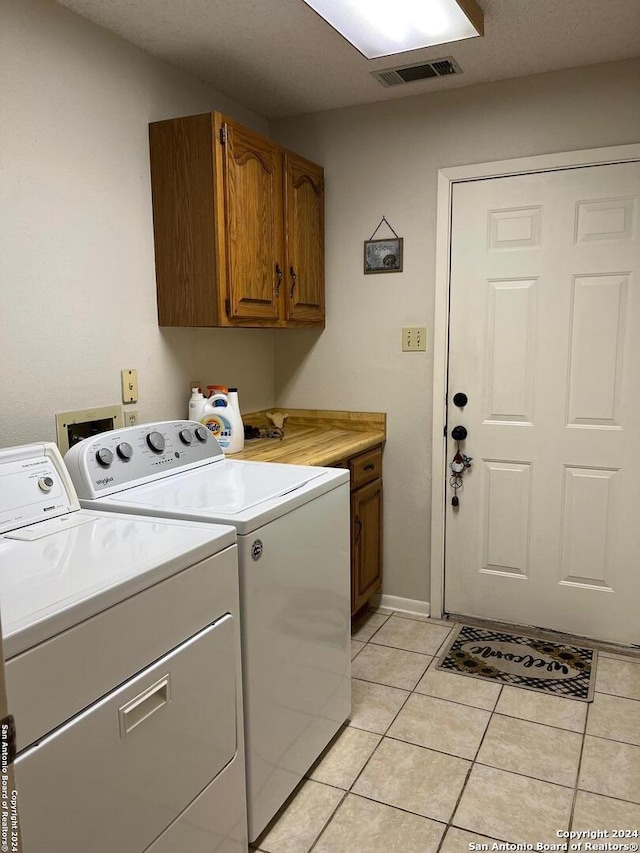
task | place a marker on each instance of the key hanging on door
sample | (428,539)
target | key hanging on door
(458,466)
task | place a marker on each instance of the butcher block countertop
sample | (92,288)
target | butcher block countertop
(315,437)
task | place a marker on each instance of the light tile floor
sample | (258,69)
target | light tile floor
(431,762)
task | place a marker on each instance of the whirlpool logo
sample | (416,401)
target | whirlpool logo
(104,481)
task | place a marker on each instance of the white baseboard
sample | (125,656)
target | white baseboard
(403,605)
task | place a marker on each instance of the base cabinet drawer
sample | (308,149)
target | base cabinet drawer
(366,467)
(115,776)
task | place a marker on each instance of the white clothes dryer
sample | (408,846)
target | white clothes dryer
(293,554)
(122,646)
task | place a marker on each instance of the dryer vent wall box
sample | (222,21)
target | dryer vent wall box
(293,528)
(72,427)
(76,587)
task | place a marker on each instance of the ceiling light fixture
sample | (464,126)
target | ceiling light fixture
(384,27)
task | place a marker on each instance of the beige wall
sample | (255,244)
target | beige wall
(383,159)
(77,289)
(77,294)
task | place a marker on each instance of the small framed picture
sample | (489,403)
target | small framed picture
(383,255)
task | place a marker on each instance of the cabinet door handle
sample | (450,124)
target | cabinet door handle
(369,467)
(278,280)
(359,530)
(294,276)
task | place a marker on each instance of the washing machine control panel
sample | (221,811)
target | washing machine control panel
(33,486)
(122,458)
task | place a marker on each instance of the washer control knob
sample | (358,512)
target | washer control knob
(124,451)
(46,483)
(201,433)
(186,436)
(104,457)
(156,441)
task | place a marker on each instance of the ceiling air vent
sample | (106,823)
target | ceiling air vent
(409,73)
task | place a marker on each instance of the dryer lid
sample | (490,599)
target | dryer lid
(56,573)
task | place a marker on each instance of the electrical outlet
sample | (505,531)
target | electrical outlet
(131,417)
(414,339)
(129,386)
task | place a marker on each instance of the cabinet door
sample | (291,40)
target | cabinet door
(366,543)
(305,241)
(251,239)
(184,227)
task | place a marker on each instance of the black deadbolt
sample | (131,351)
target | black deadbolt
(460,400)
(459,433)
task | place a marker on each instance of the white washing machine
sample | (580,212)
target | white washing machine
(293,553)
(122,646)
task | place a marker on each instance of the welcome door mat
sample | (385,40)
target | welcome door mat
(535,664)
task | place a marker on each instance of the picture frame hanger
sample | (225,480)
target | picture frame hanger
(382,256)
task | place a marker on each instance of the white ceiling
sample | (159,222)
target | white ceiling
(278,58)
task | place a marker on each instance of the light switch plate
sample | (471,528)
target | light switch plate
(129,386)
(414,339)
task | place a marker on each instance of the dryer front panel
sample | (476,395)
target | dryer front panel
(117,775)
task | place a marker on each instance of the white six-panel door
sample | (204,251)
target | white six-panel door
(545,342)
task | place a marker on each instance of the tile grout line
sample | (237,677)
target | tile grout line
(617,695)
(538,723)
(358,652)
(385,620)
(473,762)
(254,847)
(327,822)
(525,775)
(613,740)
(576,788)
(402,648)
(393,686)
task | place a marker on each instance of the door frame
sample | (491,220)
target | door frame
(447,178)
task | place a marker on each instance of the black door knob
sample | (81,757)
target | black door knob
(460,400)
(459,433)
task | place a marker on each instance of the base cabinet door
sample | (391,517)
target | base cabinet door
(366,543)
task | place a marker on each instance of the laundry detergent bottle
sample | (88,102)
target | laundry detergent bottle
(234,402)
(225,424)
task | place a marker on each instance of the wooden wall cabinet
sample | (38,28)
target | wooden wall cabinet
(238,227)
(366,526)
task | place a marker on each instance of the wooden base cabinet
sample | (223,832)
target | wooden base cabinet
(366,526)
(238,227)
